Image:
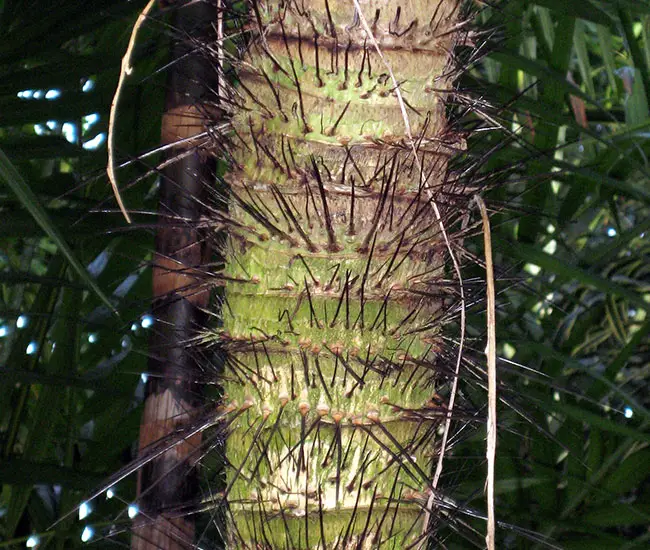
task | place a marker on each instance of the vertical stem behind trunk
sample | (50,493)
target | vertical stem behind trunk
(173,395)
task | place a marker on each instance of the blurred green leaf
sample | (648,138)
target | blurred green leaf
(630,474)
(22,472)
(577,8)
(14,181)
(600,421)
(532,254)
(622,514)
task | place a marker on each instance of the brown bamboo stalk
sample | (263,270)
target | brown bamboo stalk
(172,395)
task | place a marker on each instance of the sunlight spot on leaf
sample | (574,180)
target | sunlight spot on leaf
(88,85)
(147,321)
(95,143)
(125,285)
(32,348)
(22,321)
(551,247)
(89,120)
(69,131)
(87,533)
(532,269)
(33,541)
(509,350)
(84,510)
(99,263)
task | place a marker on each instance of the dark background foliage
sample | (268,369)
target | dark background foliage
(571,242)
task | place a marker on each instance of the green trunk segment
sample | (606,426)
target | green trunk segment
(334,307)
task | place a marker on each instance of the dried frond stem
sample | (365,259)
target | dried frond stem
(491,352)
(125,70)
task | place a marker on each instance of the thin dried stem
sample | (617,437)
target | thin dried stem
(221,86)
(491,352)
(125,70)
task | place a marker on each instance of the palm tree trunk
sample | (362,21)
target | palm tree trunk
(333,315)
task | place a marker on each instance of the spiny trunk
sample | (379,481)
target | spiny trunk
(334,311)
